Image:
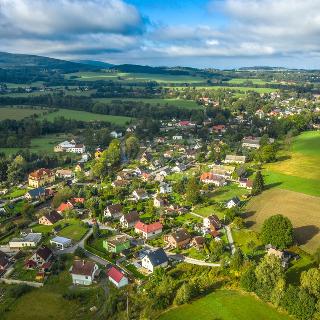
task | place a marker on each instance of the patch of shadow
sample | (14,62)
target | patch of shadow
(284,157)
(248,214)
(272,185)
(249,223)
(305,233)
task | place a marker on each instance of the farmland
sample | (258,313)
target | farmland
(16,113)
(301,209)
(224,305)
(231,89)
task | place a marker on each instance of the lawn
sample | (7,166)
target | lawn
(187,104)
(243,237)
(301,209)
(75,231)
(15,113)
(86,116)
(299,171)
(20,273)
(227,192)
(225,305)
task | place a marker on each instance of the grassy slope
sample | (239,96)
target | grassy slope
(225,305)
(17,113)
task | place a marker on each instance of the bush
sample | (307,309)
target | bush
(19,290)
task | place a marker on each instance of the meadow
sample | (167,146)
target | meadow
(299,171)
(16,113)
(187,104)
(225,305)
(301,209)
(228,88)
(244,80)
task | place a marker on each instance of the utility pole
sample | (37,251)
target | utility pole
(127,305)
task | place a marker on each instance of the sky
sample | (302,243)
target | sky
(197,33)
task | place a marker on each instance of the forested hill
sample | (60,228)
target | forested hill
(15,61)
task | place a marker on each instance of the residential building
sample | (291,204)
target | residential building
(129,220)
(64,174)
(209,177)
(234,159)
(65,206)
(113,211)
(50,218)
(41,259)
(246,183)
(165,188)
(117,277)
(140,194)
(198,242)
(148,230)
(29,240)
(116,244)
(212,222)
(251,142)
(61,243)
(158,201)
(115,134)
(70,146)
(178,239)
(4,261)
(155,259)
(40,178)
(234,202)
(83,272)
(35,194)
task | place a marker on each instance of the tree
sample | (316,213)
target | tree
(96,231)
(237,260)
(80,252)
(310,280)
(16,169)
(248,280)
(258,184)
(277,231)
(238,223)
(61,196)
(278,292)
(193,191)
(317,256)
(132,147)
(184,294)
(27,211)
(268,272)
(215,249)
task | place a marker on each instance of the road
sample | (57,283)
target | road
(230,239)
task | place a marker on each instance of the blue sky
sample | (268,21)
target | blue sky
(198,33)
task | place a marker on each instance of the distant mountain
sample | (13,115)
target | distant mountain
(14,61)
(262,68)
(99,64)
(134,68)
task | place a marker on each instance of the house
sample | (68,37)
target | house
(140,194)
(29,240)
(158,202)
(179,168)
(71,147)
(284,256)
(117,243)
(4,261)
(198,242)
(41,259)
(148,230)
(120,183)
(35,194)
(246,183)
(83,272)
(65,206)
(146,158)
(115,134)
(165,188)
(178,239)
(50,218)
(234,202)
(40,178)
(155,259)
(113,211)
(117,277)
(219,128)
(251,142)
(234,159)
(129,220)
(212,222)
(79,167)
(177,138)
(209,177)
(64,174)
(61,243)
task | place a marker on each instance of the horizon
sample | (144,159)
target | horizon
(220,34)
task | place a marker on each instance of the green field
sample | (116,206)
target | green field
(225,305)
(15,113)
(300,170)
(231,89)
(188,104)
(243,80)
(86,116)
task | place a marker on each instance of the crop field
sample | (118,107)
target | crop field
(301,209)
(231,89)
(188,104)
(131,77)
(300,169)
(225,305)
(86,116)
(15,113)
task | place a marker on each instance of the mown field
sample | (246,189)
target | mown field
(188,104)
(299,171)
(225,305)
(15,113)
(86,116)
(301,209)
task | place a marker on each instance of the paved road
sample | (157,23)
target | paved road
(230,239)
(180,257)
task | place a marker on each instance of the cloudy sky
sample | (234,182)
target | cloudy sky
(200,33)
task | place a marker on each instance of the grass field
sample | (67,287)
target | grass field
(243,80)
(188,104)
(301,209)
(225,305)
(86,116)
(16,113)
(300,169)
(235,89)
(74,231)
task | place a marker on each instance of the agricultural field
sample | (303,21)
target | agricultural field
(231,89)
(225,305)
(301,209)
(187,104)
(16,113)
(299,171)
(86,116)
(244,80)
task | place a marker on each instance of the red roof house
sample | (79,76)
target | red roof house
(148,230)
(117,277)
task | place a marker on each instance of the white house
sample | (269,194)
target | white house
(130,219)
(233,202)
(117,277)
(234,159)
(113,211)
(155,259)
(140,194)
(165,188)
(71,147)
(177,138)
(83,272)
(30,240)
(115,134)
